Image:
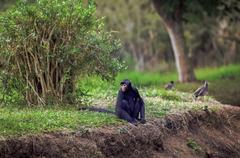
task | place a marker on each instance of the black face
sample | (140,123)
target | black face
(123,87)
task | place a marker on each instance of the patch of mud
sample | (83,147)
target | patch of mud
(190,135)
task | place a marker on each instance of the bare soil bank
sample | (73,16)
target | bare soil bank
(199,134)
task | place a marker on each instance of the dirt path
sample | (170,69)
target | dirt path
(189,135)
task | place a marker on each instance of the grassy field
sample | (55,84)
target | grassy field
(15,121)
(20,121)
(224,83)
(210,74)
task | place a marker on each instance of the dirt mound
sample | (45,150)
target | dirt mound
(194,134)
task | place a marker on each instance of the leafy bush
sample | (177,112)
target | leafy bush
(9,91)
(46,45)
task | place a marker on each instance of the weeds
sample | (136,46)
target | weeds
(191,143)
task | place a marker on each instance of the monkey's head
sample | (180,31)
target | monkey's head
(125,85)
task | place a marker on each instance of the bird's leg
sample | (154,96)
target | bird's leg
(197,99)
(194,98)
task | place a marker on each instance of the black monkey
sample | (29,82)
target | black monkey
(129,104)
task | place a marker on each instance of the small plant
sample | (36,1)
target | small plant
(191,143)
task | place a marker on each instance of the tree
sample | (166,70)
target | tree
(5,3)
(48,44)
(171,13)
(175,14)
(145,42)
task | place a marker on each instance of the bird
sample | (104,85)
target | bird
(170,86)
(201,91)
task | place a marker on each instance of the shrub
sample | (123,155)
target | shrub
(47,44)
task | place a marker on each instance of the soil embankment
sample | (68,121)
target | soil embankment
(200,134)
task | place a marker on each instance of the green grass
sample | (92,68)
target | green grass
(151,78)
(226,91)
(14,121)
(166,95)
(142,79)
(146,78)
(224,83)
(218,73)
(191,143)
(161,102)
(21,121)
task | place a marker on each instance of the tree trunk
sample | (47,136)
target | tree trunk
(173,23)
(231,54)
(185,72)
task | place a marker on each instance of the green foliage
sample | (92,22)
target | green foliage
(146,78)
(9,90)
(142,33)
(48,44)
(217,73)
(159,103)
(15,121)
(144,37)
(197,9)
(230,10)
(191,143)
(150,78)
(4,4)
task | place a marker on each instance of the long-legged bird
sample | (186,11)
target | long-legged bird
(201,91)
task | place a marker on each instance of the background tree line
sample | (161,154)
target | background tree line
(210,40)
(210,32)
(48,47)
